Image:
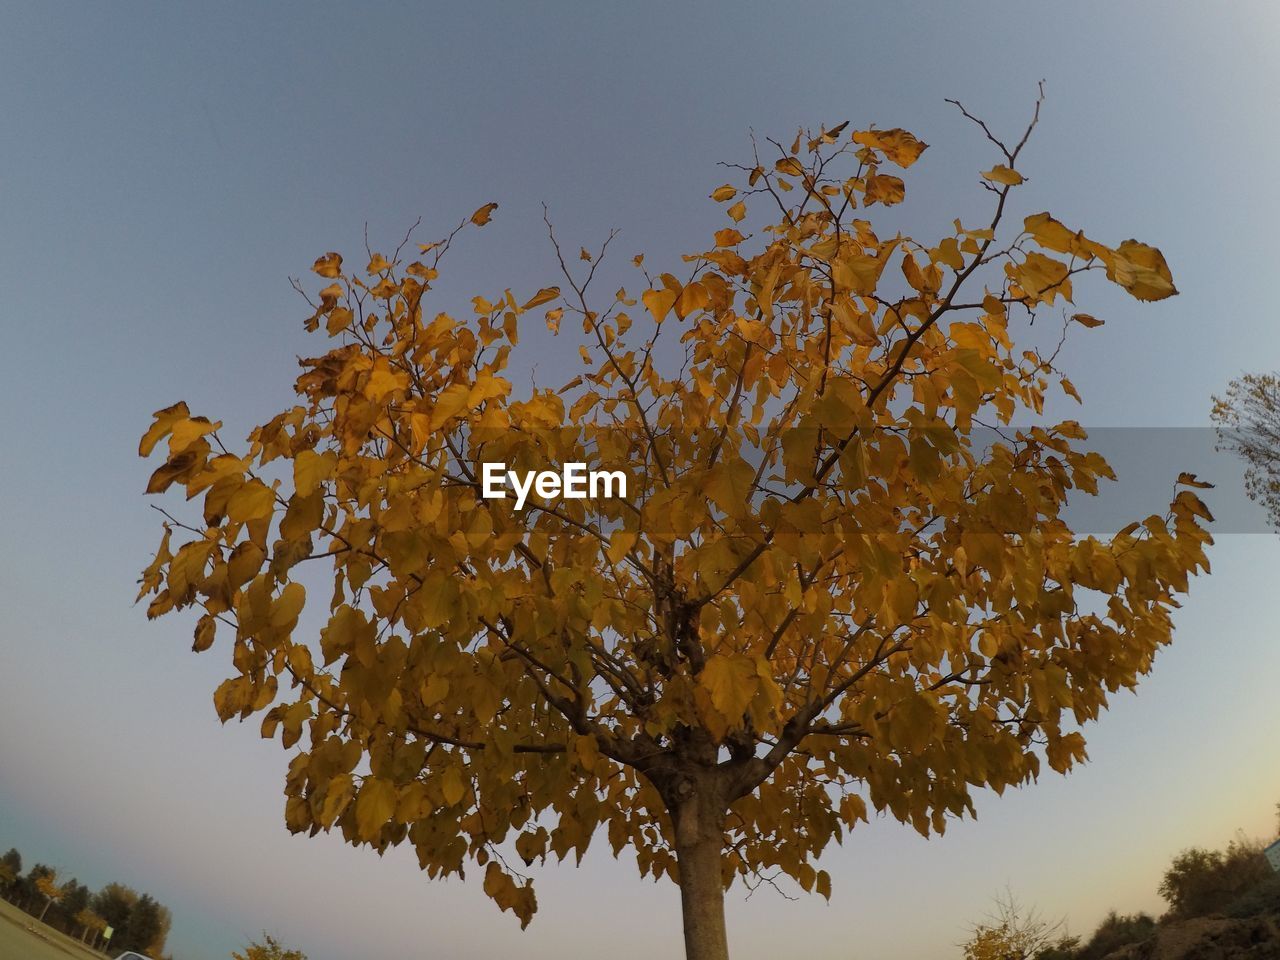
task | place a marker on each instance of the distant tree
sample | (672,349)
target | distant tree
(165,923)
(1012,932)
(75,898)
(143,928)
(113,903)
(47,885)
(1248,422)
(40,870)
(7,876)
(91,923)
(12,861)
(269,949)
(1200,882)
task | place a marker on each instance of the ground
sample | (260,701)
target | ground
(17,942)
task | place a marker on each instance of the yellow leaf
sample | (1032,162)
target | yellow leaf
(375,804)
(1053,235)
(452,786)
(620,542)
(659,302)
(338,794)
(1041,278)
(435,689)
(185,432)
(253,501)
(822,884)
(1086,320)
(886,189)
(482,216)
(287,606)
(738,211)
(728,237)
(692,298)
(164,422)
(721,194)
(1002,174)
(1141,270)
(898,146)
(329,266)
(731,681)
(545,295)
(310,469)
(449,403)
(205,630)
(1190,480)
(858,273)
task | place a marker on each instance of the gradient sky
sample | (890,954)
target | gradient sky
(164,171)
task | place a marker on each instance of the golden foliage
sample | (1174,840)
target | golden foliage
(826,592)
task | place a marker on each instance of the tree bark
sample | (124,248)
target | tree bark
(699,851)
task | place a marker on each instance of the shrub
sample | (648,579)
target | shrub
(1200,882)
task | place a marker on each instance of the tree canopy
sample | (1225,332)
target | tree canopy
(1248,420)
(840,578)
(268,949)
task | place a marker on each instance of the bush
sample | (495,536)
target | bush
(1117,931)
(1264,898)
(1201,882)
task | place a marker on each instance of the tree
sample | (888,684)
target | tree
(269,949)
(13,860)
(7,875)
(825,583)
(113,903)
(76,897)
(91,922)
(1248,423)
(1014,933)
(47,885)
(146,927)
(1200,881)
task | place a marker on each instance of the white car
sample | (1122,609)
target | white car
(130,955)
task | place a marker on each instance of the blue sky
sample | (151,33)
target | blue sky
(165,169)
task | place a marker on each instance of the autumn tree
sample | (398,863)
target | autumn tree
(48,887)
(113,903)
(91,923)
(1015,932)
(10,869)
(1247,417)
(268,949)
(829,586)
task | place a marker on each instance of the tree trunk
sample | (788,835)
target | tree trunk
(47,905)
(699,850)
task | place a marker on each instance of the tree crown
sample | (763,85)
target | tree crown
(841,572)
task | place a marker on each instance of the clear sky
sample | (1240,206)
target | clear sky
(166,167)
